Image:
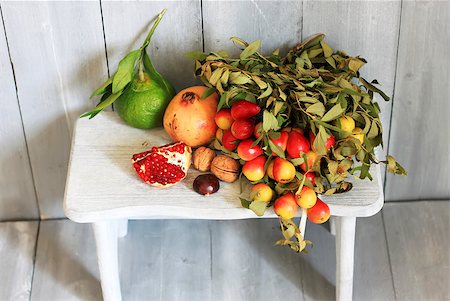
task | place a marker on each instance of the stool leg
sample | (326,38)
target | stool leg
(106,240)
(123,227)
(345,248)
(332,225)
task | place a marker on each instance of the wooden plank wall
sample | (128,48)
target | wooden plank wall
(57,49)
(61,51)
(17,196)
(420,120)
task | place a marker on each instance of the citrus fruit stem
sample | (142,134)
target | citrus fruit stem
(152,30)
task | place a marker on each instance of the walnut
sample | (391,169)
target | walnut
(225,168)
(203,157)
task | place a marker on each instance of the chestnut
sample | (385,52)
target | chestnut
(206,184)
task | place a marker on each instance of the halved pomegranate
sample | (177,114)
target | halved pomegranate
(163,166)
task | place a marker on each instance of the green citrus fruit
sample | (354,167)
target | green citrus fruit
(143,103)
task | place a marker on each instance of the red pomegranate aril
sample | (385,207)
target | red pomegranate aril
(163,166)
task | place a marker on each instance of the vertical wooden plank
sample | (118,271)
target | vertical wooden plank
(319,266)
(17,195)
(140,260)
(372,279)
(418,242)
(127,24)
(57,49)
(277,25)
(166,260)
(66,263)
(247,266)
(366,28)
(420,136)
(186,260)
(17,245)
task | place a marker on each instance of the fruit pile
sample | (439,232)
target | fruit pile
(300,125)
(294,126)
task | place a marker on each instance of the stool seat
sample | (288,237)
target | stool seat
(102,183)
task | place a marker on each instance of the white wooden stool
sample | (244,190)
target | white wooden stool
(102,189)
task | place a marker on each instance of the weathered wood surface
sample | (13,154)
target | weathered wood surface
(104,145)
(247,266)
(418,241)
(17,196)
(372,278)
(57,49)
(17,245)
(366,28)
(420,124)
(127,24)
(276,24)
(68,61)
(66,263)
(219,260)
(166,260)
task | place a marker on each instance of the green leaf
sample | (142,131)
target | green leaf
(222,101)
(259,207)
(289,232)
(316,109)
(215,77)
(371,87)
(107,102)
(297,161)
(276,149)
(261,84)
(239,41)
(327,51)
(331,61)
(102,89)
(240,79)
(250,49)
(355,64)
(208,92)
(125,71)
(278,106)
(319,142)
(373,130)
(196,55)
(333,113)
(270,122)
(308,99)
(245,203)
(266,93)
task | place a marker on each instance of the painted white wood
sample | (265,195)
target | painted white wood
(102,183)
(17,245)
(419,136)
(345,247)
(366,28)
(122,230)
(418,240)
(127,24)
(57,49)
(17,196)
(276,24)
(66,264)
(332,222)
(106,242)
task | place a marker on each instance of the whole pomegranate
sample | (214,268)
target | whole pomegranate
(190,119)
(163,166)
